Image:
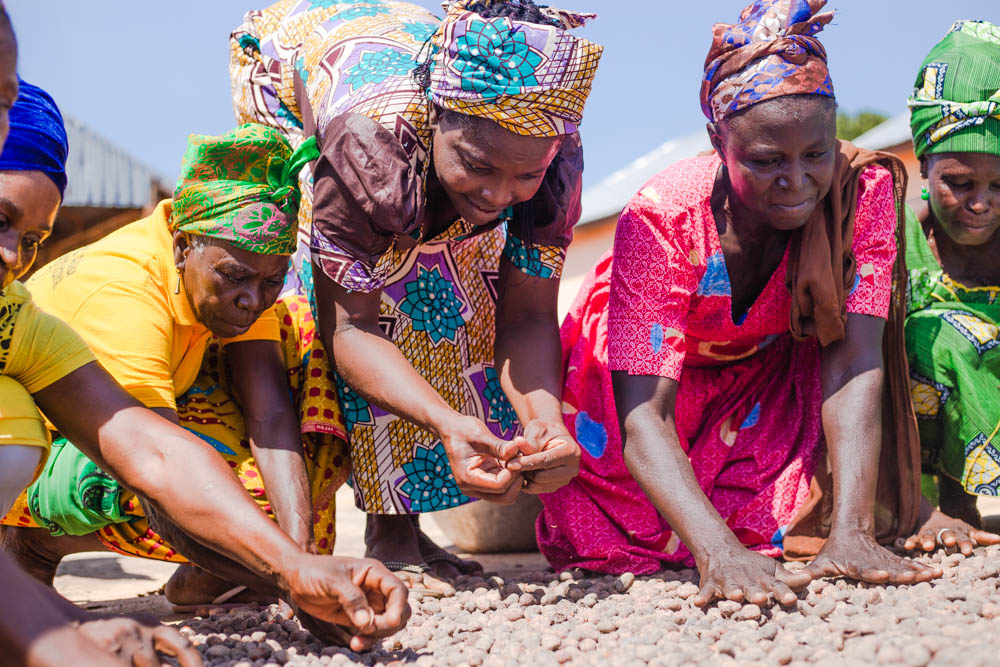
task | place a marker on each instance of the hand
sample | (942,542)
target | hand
(549,459)
(140,644)
(742,575)
(953,532)
(860,557)
(358,594)
(479,460)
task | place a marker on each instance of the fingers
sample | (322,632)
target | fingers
(479,483)
(757,594)
(360,643)
(168,641)
(708,592)
(558,452)
(821,567)
(143,653)
(984,538)
(783,594)
(547,481)
(734,593)
(793,581)
(396,608)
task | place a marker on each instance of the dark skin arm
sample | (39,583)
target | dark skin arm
(259,379)
(178,474)
(527,353)
(852,421)
(655,458)
(376,369)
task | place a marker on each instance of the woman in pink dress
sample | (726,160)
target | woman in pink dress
(738,326)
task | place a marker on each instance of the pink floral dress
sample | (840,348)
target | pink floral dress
(749,396)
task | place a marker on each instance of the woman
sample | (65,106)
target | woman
(198,280)
(432,240)
(952,338)
(739,316)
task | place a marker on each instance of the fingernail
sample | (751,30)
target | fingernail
(362,618)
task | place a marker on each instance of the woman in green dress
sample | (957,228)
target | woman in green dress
(952,337)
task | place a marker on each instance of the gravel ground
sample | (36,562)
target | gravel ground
(547,619)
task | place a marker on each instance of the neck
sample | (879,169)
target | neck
(972,265)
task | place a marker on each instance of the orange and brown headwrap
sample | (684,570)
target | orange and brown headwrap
(770,52)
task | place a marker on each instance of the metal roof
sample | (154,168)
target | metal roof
(892,132)
(610,195)
(102,175)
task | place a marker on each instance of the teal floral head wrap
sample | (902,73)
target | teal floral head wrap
(955,105)
(242,188)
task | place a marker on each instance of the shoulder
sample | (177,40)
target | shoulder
(674,201)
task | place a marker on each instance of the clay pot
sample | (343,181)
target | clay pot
(482,527)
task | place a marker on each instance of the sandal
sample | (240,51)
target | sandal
(421,569)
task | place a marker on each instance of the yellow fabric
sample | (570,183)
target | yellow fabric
(118,294)
(36,349)
(20,421)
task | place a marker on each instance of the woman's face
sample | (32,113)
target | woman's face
(228,287)
(483,168)
(29,201)
(780,157)
(964,195)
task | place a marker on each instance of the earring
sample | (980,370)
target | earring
(177,287)
(925,193)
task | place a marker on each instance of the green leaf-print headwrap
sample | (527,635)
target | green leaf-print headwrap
(955,105)
(242,188)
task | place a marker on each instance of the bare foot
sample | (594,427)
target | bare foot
(395,540)
(860,557)
(443,563)
(190,586)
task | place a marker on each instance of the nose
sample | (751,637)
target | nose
(793,177)
(498,194)
(250,299)
(10,249)
(979,201)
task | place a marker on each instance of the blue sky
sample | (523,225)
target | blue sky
(145,74)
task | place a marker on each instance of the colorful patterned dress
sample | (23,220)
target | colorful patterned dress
(749,399)
(953,344)
(362,222)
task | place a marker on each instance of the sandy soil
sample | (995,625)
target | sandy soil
(528,615)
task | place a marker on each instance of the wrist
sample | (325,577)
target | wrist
(445,422)
(722,547)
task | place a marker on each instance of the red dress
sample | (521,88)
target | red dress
(749,396)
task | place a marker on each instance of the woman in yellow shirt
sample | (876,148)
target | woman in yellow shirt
(177,475)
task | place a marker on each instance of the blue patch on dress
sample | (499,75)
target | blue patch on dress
(715,282)
(854,287)
(219,447)
(591,435)
(778,539)
(656,337)
(752,419)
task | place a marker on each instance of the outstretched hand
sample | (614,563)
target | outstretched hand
(858,556)
(549,456)
(359,598)
(479,461)
(747,576)
(140,644)
(943,531)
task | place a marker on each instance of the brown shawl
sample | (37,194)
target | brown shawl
(820,275)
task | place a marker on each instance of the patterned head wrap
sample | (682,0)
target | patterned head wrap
(37,139)
(242,188)
(955,105)
(531,79)
(771,52)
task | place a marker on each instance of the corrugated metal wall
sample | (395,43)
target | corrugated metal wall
(102,175)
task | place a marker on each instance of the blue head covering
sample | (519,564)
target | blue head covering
(37,139)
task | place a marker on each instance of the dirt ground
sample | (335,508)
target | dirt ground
(528,615)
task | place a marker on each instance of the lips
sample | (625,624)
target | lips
(485,211)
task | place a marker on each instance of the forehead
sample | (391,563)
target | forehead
(495,143)
(221,251)
(977,163)
(784,120)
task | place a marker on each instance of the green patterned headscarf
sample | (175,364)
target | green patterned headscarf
(955,105)
(242,188)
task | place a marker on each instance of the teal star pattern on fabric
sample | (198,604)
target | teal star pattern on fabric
(500,408)
(355,409)
(377,66)
(494,59)
(432,305)
(419,30)
(429,484)
(527,258)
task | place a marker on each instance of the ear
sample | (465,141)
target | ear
(182,249)
(434,118)
(923,167)
(716,138)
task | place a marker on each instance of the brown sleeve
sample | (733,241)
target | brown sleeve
(548,218)
(365,195)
